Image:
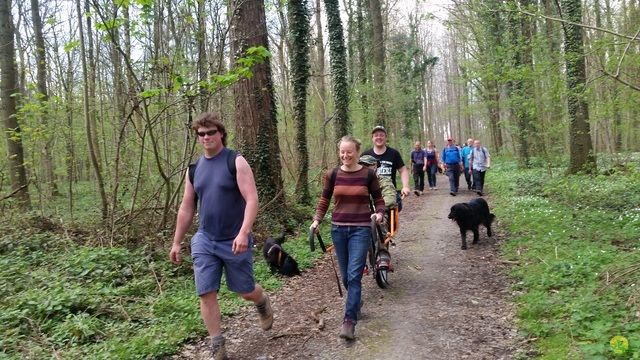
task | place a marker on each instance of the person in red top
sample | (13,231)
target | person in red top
(351,223)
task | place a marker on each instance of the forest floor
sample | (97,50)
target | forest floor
(443,303)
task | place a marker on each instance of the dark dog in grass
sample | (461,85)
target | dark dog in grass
(278,259)
(469,216)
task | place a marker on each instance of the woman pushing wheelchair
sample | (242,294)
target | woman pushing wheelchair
(350,185)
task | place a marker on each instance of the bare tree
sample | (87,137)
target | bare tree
(8,74)
(43,97)
(89,124)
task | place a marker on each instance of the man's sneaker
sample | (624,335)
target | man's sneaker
(479,193)
(218,351)
(417,192)
(348,330)
(452,193)
(265,312)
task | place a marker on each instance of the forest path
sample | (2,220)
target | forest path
(443,303)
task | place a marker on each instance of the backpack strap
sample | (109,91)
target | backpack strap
(334,174)
(231,164)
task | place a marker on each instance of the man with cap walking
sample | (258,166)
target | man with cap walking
(390,161)
(452,162)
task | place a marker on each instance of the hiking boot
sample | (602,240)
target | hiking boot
(219,351)
(265,312)
(348,330)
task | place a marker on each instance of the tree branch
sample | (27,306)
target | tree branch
(15,191)
(635,37)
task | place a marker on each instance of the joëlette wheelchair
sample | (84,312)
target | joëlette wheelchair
(382,236)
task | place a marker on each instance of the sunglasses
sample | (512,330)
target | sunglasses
(210,132)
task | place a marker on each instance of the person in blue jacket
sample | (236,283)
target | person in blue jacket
(453,166)
(466,151)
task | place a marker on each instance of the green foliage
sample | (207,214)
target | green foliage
(90,302)
(570,235)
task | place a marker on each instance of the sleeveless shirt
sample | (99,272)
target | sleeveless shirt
(222,206)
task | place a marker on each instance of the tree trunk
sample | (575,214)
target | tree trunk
(362,64)
(8,110)
(255,108)
(203,63)
(581,156)
(87,119)
(378,49)
(43,98)
(299,32)
(337,52)
(321,83)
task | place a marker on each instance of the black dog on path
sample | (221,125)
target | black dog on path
(470,216)
(278,259)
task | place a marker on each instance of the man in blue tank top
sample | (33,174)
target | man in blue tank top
(228,208)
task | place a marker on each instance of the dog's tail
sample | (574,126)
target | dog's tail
(280,240)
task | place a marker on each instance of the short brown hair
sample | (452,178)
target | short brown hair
(210,119)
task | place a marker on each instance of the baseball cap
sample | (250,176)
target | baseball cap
(450,139)
(378,127)
(367,160)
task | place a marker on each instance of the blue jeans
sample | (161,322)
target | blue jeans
(431,174)
(351,244)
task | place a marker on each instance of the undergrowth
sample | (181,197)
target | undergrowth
(575,240)
(64,298)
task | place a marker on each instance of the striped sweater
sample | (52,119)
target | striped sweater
(351,198)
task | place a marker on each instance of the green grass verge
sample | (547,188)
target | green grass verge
(576,240)
(62,299)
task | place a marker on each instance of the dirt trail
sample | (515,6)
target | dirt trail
(444,303)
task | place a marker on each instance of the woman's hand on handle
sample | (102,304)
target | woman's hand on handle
(314,226)
(378,218)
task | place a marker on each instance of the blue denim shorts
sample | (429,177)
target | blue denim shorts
(210,257)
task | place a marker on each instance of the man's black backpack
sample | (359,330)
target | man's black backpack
(231,165)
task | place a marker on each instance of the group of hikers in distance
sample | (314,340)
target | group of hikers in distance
(472,160)
(223,184)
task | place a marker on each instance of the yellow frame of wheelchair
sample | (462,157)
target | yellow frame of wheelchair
(394,223)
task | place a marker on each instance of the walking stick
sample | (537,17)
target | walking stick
(324,250)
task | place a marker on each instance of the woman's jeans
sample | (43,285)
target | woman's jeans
(351,244)
(431,174)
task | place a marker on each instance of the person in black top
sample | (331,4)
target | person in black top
(390,161)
